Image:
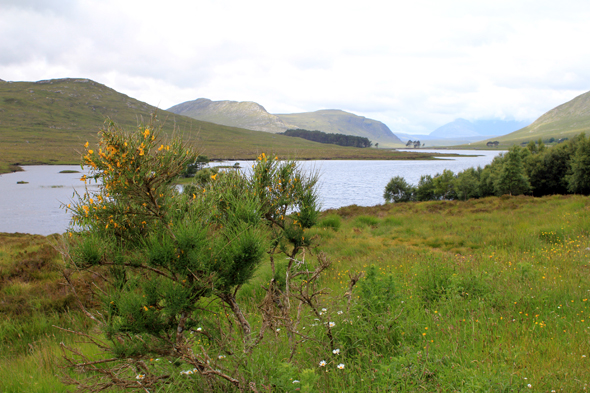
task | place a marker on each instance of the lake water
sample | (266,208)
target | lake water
(35,207)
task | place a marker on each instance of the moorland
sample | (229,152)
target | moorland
(484,295)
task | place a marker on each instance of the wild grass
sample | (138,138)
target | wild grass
(477,296)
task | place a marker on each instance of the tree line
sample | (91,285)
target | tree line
(532,170)
(334,139)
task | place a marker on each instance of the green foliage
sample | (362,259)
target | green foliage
(444,185)
(195,165)
(398,190)
(512,178)
(364,221)
(175,261)
(332,221)
(560,169)
(579,178)
(425,189)
(438,281)
(467,184)
(516,284)
(377,292)
(336,139)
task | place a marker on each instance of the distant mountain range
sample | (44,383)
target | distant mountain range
(253,116)
(48,122)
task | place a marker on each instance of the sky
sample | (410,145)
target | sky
(414,65)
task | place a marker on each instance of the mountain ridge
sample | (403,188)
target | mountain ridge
(244,114)
(47,122)
(253,116)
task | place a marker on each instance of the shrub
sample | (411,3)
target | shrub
(398,190)
(332,221)
(176,263)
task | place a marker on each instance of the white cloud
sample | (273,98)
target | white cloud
(413,65)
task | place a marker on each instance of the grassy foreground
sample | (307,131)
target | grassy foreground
(484,295)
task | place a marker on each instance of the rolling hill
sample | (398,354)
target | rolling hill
(253,116)
(564,121)
(246,114)
(340,122)
(47,122)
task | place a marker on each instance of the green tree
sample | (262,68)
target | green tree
(512,178)
(425,189)
(444,185)
(175,264)
(547,170)
(466,184)
(532,146)
(579,177)
(541,146)
(398,190)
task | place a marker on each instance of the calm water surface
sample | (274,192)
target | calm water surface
(36,207)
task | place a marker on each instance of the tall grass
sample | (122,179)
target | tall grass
(477,296)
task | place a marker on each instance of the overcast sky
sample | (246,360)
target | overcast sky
(414,65)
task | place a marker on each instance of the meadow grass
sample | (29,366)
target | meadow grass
(477,296)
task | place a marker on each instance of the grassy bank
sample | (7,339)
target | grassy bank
(477,296)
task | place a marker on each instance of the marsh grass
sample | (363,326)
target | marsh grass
(477,296)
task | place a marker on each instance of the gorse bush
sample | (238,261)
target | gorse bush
(175,264)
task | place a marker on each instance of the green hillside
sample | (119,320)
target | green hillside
(245,114)
(341,122)
(564,121)
(47,122)
(252,116)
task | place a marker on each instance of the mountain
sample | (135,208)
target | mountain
(246,114)
(47,122)
(340,122)
(253,116)
(565,121)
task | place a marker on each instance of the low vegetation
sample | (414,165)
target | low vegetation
(535,170)
(484,295)
(333,139)
(487,294)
